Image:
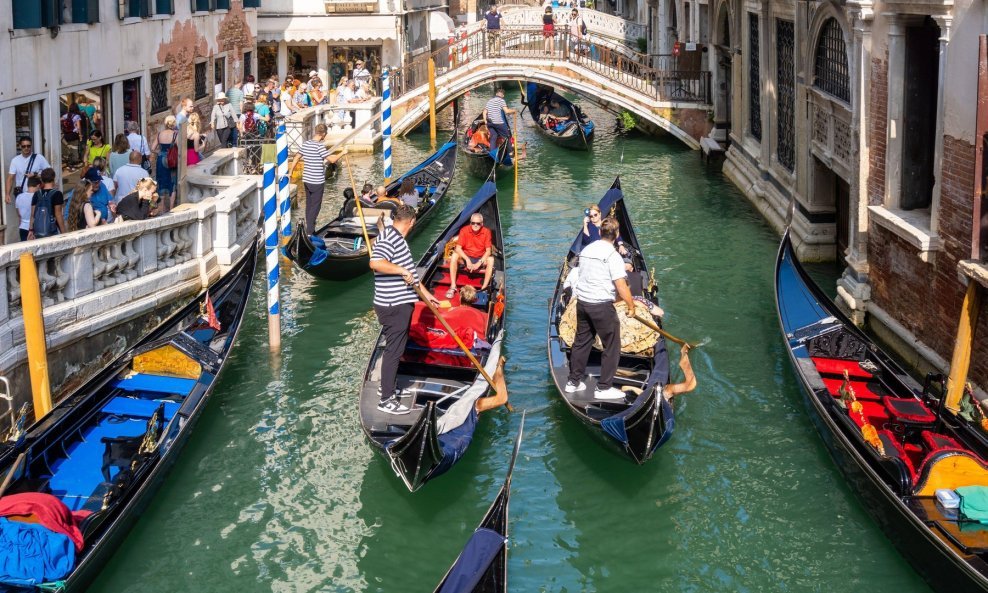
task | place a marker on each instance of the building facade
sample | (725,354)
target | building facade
(329,36)
(119,60)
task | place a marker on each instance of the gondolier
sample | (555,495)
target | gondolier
(601,274)
(315,156)
(394,301)
(494,114)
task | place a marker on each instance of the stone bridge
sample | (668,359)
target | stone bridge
(601,67)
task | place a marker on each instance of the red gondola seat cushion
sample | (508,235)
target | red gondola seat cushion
(837,366)
(427,331)
(876,415)
(936,441)
(908,409)
(861,389)
(893,448)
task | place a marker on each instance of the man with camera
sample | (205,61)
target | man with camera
(22,167)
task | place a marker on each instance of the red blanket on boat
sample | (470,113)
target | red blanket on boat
(50,511)
(425,330)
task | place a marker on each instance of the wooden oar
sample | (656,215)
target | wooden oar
(499,386)
(360,211)
(514,146)
(652,326)
(13,470)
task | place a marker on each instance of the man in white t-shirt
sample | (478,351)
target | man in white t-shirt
(126,177)
(137,140)
(601,275)
(23,204)
(19,169)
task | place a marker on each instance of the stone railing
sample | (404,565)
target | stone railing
(603,24)
(830,132)
(340,120)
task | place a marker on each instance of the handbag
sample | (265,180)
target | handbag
(171,157)
(231,121)
(145,159)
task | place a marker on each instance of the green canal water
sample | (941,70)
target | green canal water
(278,491)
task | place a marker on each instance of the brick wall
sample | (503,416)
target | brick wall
(924,297)
(878,114)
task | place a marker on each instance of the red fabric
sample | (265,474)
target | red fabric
(893,448)
(837,366)
(873,411)
(425,330)
(473,243)
(909,409)
(432,357)
(474,279)
(861,390)
(935,441)
(50,511)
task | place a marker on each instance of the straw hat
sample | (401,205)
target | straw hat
(221,96)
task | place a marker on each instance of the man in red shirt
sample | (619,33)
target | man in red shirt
(474,249)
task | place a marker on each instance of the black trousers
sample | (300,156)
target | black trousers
(313,204)
(395,321)
(600,319)
(223,135)
(498,131)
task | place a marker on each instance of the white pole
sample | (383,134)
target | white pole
(284,200)
(271,258)
(386,116)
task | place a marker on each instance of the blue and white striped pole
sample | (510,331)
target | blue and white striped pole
(284,200)
(271,257)
(386,116)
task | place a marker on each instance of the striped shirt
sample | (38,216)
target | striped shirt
(314,162)
(495,110)
(390,289)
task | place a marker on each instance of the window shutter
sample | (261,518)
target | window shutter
(252,3)
(165,7)
(51,13)
(85,11)
(222,4)
(27,14)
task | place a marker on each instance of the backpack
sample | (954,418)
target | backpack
(44,216)
(68,128)
(250,125)
(262,128)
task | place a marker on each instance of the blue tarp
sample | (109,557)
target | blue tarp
(454,443)
(33,554)
(473,562)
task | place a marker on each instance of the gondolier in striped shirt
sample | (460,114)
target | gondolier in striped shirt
(394,300)
(315,156)
(494,114)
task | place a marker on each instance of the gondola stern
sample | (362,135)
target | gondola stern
(416,455)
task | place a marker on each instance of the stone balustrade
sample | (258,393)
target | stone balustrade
(341,121)
(600,23)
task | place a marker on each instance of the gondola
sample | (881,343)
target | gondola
(443,385)
(576,133)
(482,566)
(105,449)
(337,250)
(479,161)
(895,442)
(644,420)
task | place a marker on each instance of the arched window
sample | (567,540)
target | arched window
(831,74)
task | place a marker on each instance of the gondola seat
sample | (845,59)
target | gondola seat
(861,389)
(893,449)
(142,383)
(837,366)
(950,468)
(936,441)
(908,411)
(874,413)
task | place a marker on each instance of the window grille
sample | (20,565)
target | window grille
(786,97)
(831,74)
(201,80)
(754,79)
(159,91)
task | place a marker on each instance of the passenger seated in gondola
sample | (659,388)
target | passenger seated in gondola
(480,139)
(469,323)
(557,115)
(381,197)
(367,197)
(474,249)
(591,233)
(408,194)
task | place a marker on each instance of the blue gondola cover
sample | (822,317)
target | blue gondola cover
(33,554)
(474,561)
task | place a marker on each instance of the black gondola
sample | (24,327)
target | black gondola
(482,566)
(106,448)
(479,161)
(443,385)
(894,442)
(576,132)
(337,250)
(644,420)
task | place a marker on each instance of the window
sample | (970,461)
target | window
(831,74)
(202,5)
(248,63)
(80,11)
(135,9)
(200,83)
(754,79)
(222,4)
(164,7)
(252,3)
(219,75)
(159,91)
(786,96)
(32,14)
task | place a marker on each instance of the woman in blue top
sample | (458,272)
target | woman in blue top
(591,229)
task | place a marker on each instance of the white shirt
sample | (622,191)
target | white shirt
(249,88)
(138,143)
(18,166)
(108,183)
(600,266)
(126,179)
(23,203)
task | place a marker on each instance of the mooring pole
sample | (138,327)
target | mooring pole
(271,258)
(34,336)
(284,200)
(432,101)
(386,124)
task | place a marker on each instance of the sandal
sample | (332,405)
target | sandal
(450,293)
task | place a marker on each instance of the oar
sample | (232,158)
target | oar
(514,145)
(500,387)
(360,211)
(652,326)
(10,475)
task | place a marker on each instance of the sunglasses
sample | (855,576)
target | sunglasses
(25,146)
(594,213)
(475,223)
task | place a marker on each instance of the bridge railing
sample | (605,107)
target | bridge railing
(628,69)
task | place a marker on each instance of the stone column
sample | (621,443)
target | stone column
(282,61)
(944,23)
(322,63)
(801,126)
(896,81)
(662,30)
(768,82)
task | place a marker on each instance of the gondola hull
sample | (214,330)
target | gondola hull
(110,526)
(909,520)
(578,135)
(443,385)
(479,164)
(343,255)
(636,427)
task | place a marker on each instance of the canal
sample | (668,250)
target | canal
(278,491)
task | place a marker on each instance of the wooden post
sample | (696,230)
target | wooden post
(432,101)
(34,336)
(960,362)
(514,146)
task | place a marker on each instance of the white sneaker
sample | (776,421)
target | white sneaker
(572,387)
(610,393)
(393,406)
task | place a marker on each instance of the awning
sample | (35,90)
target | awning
(333,29)
(440,26)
